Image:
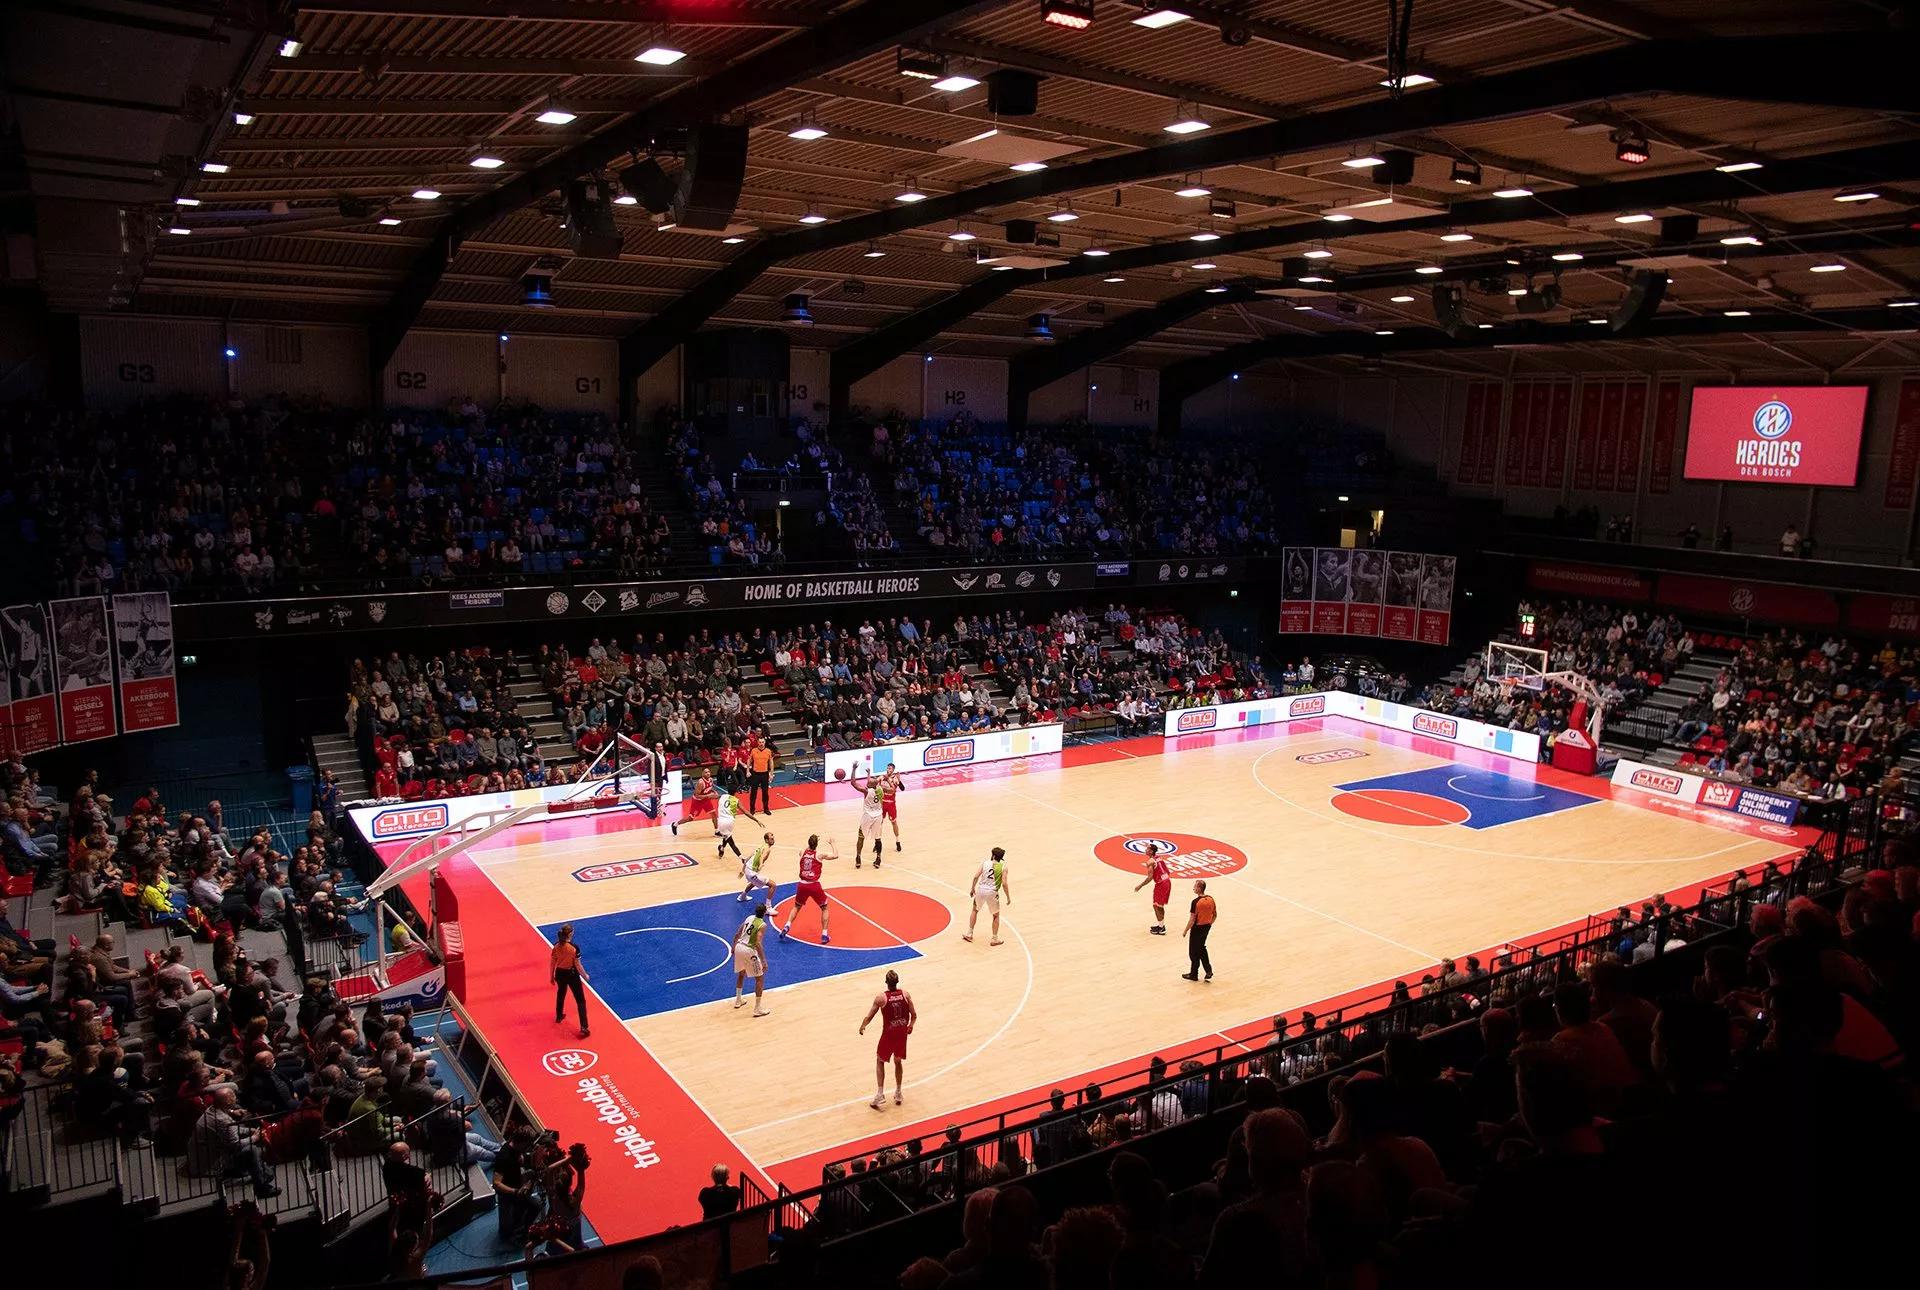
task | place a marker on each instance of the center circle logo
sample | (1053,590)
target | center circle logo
(569,1061)
(1193,856)
(1772,419)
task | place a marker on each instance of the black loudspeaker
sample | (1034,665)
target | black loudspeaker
(1021,231)
(1396,167)
(1011,92)
(1645,291)
(1678,230)
(1447,302)
(1540,300)
(590,229)
(653,186)
(710,185)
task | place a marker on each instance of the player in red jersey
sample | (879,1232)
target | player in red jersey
(706,797)
(1161,876)
(897,1004)
(890,786)
(810,888)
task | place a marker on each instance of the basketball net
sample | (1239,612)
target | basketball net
(1590,703)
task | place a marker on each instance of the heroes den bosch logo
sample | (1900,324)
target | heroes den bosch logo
(634,868)
(411,819)
(1188,855)
(1197,719)
(1428,723)
(1656,782)
(951,753)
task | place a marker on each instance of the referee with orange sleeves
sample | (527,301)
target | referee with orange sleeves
(759,759)
(564,967)
(1200,918)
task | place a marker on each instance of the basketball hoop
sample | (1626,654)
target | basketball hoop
(1509,665)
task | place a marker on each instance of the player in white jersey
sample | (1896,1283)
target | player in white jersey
(725,811)
(873,796)
(750,959)
(990,885)
(753,868)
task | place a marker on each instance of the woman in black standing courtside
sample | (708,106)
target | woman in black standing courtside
(568,975)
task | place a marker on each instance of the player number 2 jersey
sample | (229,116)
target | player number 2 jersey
(991,878)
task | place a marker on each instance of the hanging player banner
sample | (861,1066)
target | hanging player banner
(1400,615)
(1517,424)
(1296,589)
(1633,419)
(1490,430)
(1666,431)
(1586,439)
(83,669)
(1903,455)
(1366,584)
(1557,427)
(1468,467)
(35,724)
(1606,449)
(143,645)
(1332,568)
(1436,599)
(1534,464)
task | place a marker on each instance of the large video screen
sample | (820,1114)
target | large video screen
(1777,434)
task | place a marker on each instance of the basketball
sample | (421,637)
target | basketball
(840,772)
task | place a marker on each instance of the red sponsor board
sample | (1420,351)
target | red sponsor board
(1557,427)
(1296,615)
(1666,429)
(1490,430)
(1363,619)
(1776,434)
(1730,598)
(1517,432)
(1329,617)
(1400,623)
(36,725)
(1436,627)
(1633,420)
(1903,455)
(1586,439)
(1885,616)
(1536,458)
(87,713)
(150,705)
(1588,580)
(1469,467)
(1606,449)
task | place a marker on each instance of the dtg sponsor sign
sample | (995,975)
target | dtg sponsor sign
(943,754)
(1777,434)
(379,823)
(1698,790)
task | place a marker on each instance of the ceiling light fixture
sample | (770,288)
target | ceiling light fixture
(243,118)
(736,240)
(921,67)
(1314,279)
(961,234)
(1740,239)
(1318,252)
(1194,187)
(811,217)
(1336,217)
(1116,279)
(1074,15)
(1160,19)
(1384,332)
(215,167)
(1204,235)
(1028,167)
(426,194)
(955,83)
(1514,189)
(1429,269)
(290,48)
(660,54)
(1828,268)
(1096,251)
(911,193)
(1638,217)
(1517,291)
(1411,81)
(486,163)
(1902,304)
(1630,147)
(186,201)
(1186,121)
(1856,195)
(873,252)
(1486,326)
(1465,172)
(1215,291)
(808,130)
(1303,309)
(179,231)
(1401,300)
(1457,235)
(1739,313)
(1736,167)
(1204,265)
(1568,257)
(626,199)
(557,116)
(1065,215)
(389,221)
(1364,161)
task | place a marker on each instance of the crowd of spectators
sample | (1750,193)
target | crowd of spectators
(206,500)
(1624,654)
(440,725)
(1761,1073)
(1822,720)
(987,494)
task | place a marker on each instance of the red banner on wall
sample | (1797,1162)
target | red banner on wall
(1606,449)
(83,668)
(143,644)
(1557,428)
(1633,420)
(1666,429)
(33,723)
(1586,439)
(1517,431)
(1537,434)
(1885,616)
(1468,468)
(1903,457)
(1589,580)
(1766,602)
(1490,430)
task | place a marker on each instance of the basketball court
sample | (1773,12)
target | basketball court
(1342,855)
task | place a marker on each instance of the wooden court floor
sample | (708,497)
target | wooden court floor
(1340,855)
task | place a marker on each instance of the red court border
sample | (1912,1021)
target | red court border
(509,997)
